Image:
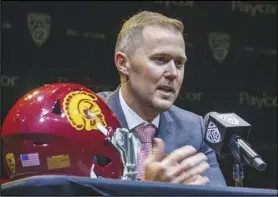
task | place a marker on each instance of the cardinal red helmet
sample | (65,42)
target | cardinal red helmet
(54,130)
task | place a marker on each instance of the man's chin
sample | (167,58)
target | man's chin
(163,105)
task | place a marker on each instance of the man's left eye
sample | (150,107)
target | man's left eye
(161,60)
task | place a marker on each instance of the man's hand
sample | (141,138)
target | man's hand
(183,165)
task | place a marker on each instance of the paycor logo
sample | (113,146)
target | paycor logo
(176,3)
(258,101)
(254,8)
(8,81)
(190,96)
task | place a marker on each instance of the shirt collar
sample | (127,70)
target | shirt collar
(132,118)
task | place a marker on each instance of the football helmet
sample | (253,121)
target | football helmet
(54,130)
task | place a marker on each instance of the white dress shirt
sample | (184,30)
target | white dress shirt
(132,118)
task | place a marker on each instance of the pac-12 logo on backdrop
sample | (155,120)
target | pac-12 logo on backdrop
(82,111)
(39,25)
(219,44)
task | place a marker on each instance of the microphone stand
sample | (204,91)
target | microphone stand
(238,174)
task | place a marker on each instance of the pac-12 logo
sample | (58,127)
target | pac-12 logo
(229,118)
(219,44)
(213,135)
(39,27)
(82,111)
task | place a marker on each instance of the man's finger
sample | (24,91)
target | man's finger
(153,171)
(180,175)
(157,151)
(192,179)
(193,161)
(152,166)
(197,170)
(188,163)
(178,155)
(200,181)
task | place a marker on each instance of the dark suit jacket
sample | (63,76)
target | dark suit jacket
(177,127)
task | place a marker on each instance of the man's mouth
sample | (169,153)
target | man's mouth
(166,89)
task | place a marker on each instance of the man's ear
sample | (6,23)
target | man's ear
(121,62)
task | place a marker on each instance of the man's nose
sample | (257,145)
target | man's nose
(171,70)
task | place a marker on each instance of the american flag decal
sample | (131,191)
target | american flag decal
(31,159)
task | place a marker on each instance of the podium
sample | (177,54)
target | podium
(73,185)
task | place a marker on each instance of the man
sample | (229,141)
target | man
(150,57)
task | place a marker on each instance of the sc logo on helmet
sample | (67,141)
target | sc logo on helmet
(82,111)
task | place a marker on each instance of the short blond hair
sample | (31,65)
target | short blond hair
(130,36)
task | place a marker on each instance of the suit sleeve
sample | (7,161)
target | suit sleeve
(104,95)
(214,173)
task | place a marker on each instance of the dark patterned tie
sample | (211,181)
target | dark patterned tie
(145,133)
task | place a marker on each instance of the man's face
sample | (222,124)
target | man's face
(156,69)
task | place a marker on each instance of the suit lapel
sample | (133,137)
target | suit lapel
(114,103)
(165,123)
(166,131)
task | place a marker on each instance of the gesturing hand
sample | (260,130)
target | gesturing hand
(184,165)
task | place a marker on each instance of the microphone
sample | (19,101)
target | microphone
(226,133)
